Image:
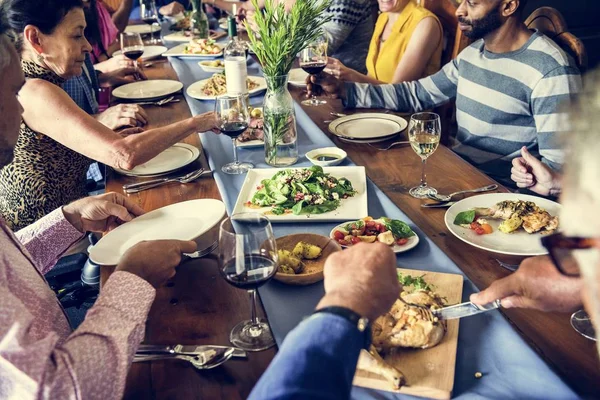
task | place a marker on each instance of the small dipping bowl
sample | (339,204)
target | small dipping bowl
(326,156)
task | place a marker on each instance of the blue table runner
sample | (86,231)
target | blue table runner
(487,343)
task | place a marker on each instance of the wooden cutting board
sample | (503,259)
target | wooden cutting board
(429,372)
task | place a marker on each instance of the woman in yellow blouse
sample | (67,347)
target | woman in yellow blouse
(406,46)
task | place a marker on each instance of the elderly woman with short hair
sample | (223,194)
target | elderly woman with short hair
(58,140)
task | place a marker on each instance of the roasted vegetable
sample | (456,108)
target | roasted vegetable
(511,224)
(286,258)
(307,251)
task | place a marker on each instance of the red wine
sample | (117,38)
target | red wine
(257,270)
(133,54)
(233,129)
(313,68)
(150,20)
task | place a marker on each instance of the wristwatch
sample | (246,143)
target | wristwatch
(362,324)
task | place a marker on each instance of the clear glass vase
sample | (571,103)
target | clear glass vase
(199,21)
(280,134)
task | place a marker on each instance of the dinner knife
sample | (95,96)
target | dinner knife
(464,310)
(144,349)
(438,205)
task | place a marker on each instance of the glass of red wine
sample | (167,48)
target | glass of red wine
(233,118)
(313,60)
(149,16)
(132,46)
(247,260)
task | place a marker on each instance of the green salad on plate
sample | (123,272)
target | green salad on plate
(302,191)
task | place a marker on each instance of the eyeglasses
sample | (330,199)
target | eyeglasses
(560,248)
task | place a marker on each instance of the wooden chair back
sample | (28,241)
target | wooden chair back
(551,23)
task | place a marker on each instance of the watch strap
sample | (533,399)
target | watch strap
(362,324)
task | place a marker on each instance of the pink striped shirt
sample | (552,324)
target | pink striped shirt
(40,356)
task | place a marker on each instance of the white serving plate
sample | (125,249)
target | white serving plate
(177,51)
(297,77)
(150,52)
(367,126)
(207,68)
(413,241)
(175,157)
(195,89)
(147,90)
(182,221)
(143,29)
(311,155)
(519,243)
(350,209)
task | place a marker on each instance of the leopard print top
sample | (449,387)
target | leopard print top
(44,174)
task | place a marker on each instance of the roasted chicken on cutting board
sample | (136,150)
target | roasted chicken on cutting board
(409,323)
(518,214)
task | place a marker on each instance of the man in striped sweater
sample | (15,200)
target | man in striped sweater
(510,89)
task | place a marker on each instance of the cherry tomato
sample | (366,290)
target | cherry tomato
(480,231)
(355,240)
(370,224)
(382,228)
(344,242)
(337,235)
(475,225)
(401,241)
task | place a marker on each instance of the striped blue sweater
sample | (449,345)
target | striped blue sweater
(503,102)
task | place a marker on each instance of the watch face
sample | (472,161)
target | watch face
(363,324)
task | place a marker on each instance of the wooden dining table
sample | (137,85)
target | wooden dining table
(199,307)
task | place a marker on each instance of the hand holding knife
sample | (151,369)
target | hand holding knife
(464,310)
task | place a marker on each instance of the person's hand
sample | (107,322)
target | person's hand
(362,278)
(243,9)
(155,260)
(529,172)
(170,9)
(206,122)
(101,213)
(123,115)
(338,70)
(114,63)
(130,131)
(324,84)
(537,284)
(121,76)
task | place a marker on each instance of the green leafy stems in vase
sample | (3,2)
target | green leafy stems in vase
(280,35)
(198,21)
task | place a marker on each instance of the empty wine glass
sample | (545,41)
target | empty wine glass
(424,131)
(233,118)
(149,15)
(247,260)
(313,60)
(132,46)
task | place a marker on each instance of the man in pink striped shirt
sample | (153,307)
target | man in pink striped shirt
(40,356)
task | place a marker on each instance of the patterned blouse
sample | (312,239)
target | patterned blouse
(44,174)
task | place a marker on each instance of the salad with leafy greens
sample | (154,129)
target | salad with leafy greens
(302,191)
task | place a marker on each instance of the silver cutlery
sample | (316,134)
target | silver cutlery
(138,187)
(441,197)
(202,253)
(510,267)
(179,349)
(464,310)
(206,361)
(390,146)
(337,114)
(438,205)
(159,103)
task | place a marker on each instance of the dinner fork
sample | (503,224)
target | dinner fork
(510,267)
(390,146)
(138,187)
(159,103)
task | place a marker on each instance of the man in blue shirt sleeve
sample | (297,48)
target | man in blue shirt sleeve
(318,358)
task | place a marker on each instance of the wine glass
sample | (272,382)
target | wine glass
(247,260)
(132,46)
(581,322)
(233,118)
(424,133)
(313,60)
(150,16)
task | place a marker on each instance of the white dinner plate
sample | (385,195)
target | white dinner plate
(251,143)
(150,52)
(351,208)
(297,77)
(413,241)
(187,220)
(367,126)
(143,29)
(175,157)
(195,89)
(147,90)
(205,65)
(519,243)
(177,51)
